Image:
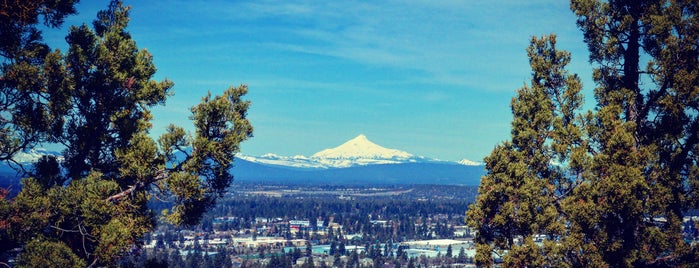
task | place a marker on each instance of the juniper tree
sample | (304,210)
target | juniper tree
(646,55)
(25,103)
(100,94)
(607,187)
(517,197)
(29,106)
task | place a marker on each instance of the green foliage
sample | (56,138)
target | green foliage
(31,83)
(595,184)
(518,196)
(43,253)
(110,93)
(95,100)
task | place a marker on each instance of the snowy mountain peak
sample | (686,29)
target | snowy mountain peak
(361,139)
(33,155)
(467,162)
(359,151)
(361,147)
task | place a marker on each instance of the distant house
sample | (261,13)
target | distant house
(301,261)
(298,223)
(237,261)
(381,223)
(366,262)
(435,247)
(252,243)
(217,242)
(353,236)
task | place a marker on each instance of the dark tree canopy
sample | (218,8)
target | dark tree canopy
(95,100)
(608,187)
(26,88)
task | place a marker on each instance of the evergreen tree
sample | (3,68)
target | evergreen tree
(341,249)
(388,249)
(517,195)
(32,90)
(337,262)
(401,254)
(309,249)
(354,258)
(95,100)
(274,261)
(595,184)
(27,110)
(308,263)
(296,254)
(287,261)
(462,255)
(175,259)
(333,248)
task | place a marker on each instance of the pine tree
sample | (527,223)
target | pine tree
(462,255)
(608,187)
(341,249)
(333,248)
(175,259)
(98,97)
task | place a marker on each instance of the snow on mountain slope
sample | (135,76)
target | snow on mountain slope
(467,162)
(361,148)
(32,155)
(298,161)
(359,151)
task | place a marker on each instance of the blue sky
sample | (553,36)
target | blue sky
(434,78)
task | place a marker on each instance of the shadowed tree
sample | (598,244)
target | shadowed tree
(30,95)
(99,95)
(28,113)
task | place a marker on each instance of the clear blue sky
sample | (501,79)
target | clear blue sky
(434,78)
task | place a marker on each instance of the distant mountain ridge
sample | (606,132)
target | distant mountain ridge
(383,174)
(357,161)
(359,151)
(467,162)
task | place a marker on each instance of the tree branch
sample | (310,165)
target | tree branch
(64,230)
(663,259)
(83,232)
(115,198)
(161,175)
(94,262)
(156,195)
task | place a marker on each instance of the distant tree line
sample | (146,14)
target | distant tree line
(408,216)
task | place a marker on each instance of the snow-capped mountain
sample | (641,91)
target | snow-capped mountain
(32,155)
(298,161)
(467,162)
(357,161)
(362,148)
(359,151)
